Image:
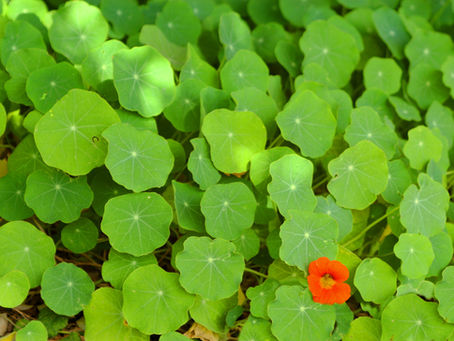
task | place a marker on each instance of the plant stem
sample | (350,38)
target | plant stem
(255,272)
(277,141)
(368,227)
(321,182)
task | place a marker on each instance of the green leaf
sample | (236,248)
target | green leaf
(25,159)
(18,35)
(382,73)
(404,110)
(441,117)
(343,216)
(173,336)
(137,223)
(360,173)
(441,242)
(154,301)
(126,16)
(233,138)
(409,316)
(429,47)
(66,289)
(25,248)
(3,120)
(308,122)
(245,69)
(197,68)
(179,23)
(256,329)
(53,195)
(391,30)
(330,47)
(266,36)
(144,80)
(77,28)
(444,294)
(210,268)
(307,236)
(375,280)
(117,268)
(229,209)
(366,124)
(47,85)
(448,73)
(137,121)
(286,274)
(69,135)
(364,328)
(234,34)
(262,12)
(187,205)
(184,111)
(295,316)
(289,56)
(80,236)
(399,178)
(291,187)
(104,319)
(137,159)
(200,165)
(14,286)
(53,322)
(415,251)
(12,189)
(422,146)
(424,210)
(33,331)
(247,244)
(425,85)
(260,296)
(294,12)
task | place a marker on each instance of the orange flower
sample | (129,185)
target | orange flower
(326,279)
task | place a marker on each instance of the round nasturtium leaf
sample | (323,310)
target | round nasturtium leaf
(153,300)
(416,253)
(137,223)
(399,178)
(144,80)
(233,138)
(332,48)
(125,15)
(3,119)
(137,159)
(422,146)
(307,236)
(53,195)
(442,242)
(234,34)
(119,265)
(444,294)
(25,158)
(18,35)
(289,56)
(441,117)
(382,73)
(66,289)
(256,329)
(80,236)
(404,110)
(196,67)
(229,209)
(218,267)
(429,47)
(69,135)
(409,317)
(173,336)
(33,331)
(291,185)
(366,124)
(343,216)
(14,286)
(23,247)
(47,85)
(266,36)
(448,73)
(77,28)
(245,69)
(295,316)
(308,122)
(247,244)
(187,206)
(12,189)
(200,165)
(360,173)
(424,210)
(260,296)
(375,280)
(179,23)
(425,85)
(104,319)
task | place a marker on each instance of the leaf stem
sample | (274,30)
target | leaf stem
(321,182)
(368,227)
(277,141)
(252,271)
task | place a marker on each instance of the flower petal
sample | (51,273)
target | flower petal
(319,267)
(338,270)
(314,285)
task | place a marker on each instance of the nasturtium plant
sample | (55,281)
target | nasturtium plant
(180,169)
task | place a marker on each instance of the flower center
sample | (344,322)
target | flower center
(327,281)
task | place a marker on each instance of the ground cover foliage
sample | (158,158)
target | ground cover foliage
(172,169)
